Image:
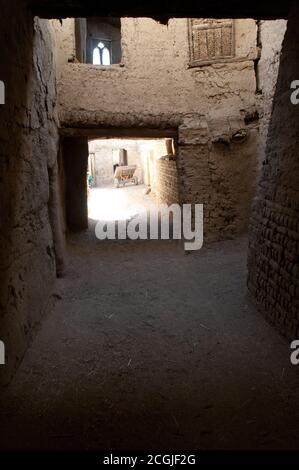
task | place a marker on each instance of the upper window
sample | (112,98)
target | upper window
(210,40)
(103,41)
(101,54)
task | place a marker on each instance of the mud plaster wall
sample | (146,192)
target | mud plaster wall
(155,83)
(65,43)
(102,165)
(271,34)
(154,87)
(217,168)
(273,262)
(29,140)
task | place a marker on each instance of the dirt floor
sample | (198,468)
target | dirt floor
(110,203)
(150,348)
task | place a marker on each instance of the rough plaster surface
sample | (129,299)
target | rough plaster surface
(28,135)
(271,34)
(219,172)
(273,264)
(65,46)
(156,80)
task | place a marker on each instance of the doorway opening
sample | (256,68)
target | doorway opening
(125,175)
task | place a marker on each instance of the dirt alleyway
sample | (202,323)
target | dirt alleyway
(148,348)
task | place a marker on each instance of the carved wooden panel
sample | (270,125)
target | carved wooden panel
(211,40)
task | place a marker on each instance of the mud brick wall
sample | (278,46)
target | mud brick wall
(167,187)
(273,262)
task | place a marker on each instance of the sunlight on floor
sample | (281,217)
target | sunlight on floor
(115,204)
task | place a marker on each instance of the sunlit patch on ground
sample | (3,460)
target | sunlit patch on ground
(111,203)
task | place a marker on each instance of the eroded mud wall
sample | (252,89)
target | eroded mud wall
(270,37)
(29,141)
